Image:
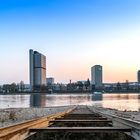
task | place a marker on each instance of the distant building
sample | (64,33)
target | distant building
(96,76)
(50,80)
(138,76)
(37,69)
(1,89)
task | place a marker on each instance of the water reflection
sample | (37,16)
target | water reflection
(122,101)
(117,101)
(35,100)
(14,101)
(97,97)
(38,100)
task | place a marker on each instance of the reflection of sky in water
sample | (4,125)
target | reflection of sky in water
(14,101)
(122,104)
(59,100)
(122,101)
(117,101)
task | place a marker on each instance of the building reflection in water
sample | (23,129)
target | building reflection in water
(97,97)
(38,100)
(115,101)
(35,100)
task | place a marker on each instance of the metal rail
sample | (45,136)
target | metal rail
(79,124)
(20,131)
(122,122)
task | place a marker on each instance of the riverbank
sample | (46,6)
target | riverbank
(13,116)
(69,93)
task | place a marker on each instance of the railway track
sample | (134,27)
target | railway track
(77,123)
(80,124)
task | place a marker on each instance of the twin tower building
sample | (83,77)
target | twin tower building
(38,71)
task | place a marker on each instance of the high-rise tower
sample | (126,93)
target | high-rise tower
(138,76)
(96,76)
(37,69)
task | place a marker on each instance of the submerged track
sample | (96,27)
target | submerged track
(80,124)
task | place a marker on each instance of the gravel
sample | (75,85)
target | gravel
(17,115)
(131,115)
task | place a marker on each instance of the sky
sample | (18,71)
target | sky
(74,35)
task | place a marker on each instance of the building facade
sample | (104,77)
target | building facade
(96,76)
(37,69)
(138,76)
(50,80)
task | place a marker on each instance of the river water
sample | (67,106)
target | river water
(115,101)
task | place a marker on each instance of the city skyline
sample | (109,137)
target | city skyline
(74,35)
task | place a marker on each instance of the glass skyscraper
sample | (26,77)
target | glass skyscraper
(96,76)
(37,69)
(138,76)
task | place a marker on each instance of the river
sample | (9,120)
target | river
(115,101)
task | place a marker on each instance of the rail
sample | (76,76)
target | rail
(123,122)
(20,131)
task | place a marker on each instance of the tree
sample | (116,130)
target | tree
(21,86)
(118,86)
(80,85)
(0,89)
(87,84)
(43,88)
(13,88)
(127,85)
(6,88)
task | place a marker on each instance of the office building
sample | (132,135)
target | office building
(50,80)
(138,76)
(37,69)
(96,76)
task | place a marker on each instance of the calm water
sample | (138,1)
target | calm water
(117,101)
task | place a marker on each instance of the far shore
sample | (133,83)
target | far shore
(67,93)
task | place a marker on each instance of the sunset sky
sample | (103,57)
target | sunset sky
(74,35)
